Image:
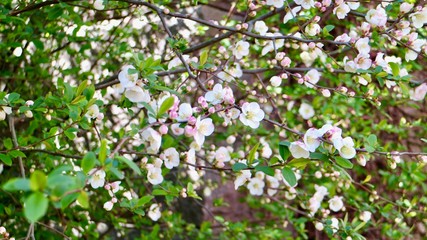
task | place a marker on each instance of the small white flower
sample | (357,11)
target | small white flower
(3,111)
(313,77)
(171,158)
(312,29)
(215,96)
(273,184)
(334,225)
(345,147)
(204,128)
(176,61)
(154,212)
(363,61)
(136,94)
(341,10)
(343,38)
(256,186)
(154,175)
(185,111)
(153,138)
(306,111)
(270,46)
(230,74)
(275,3)
(275,81)
(319,226)
(242,177)
(251,114)
(108,205)
(291,14)
(222,154)
(97,178)
(260,27)
(419,18)
(92,111)
(377,17)
(99,4)
(365,216)
(406,7)
(128,80)
(299,150)
(362,45)
(312,139)
(306,4)
(17,52)
(353,5)
(336,203)
(241,49)
(419,93)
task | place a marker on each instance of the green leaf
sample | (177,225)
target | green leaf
(319,156)
(68,199)
(83,199)
(35,206)
(284,150)
(329,28)
(81,88)
(394,69)
(370,149)
(144,200)
(158,192)
(251,155)
(289,176)
(38,180)
(7,142)
(130,163)
(300,163)
(166,105)
(17,184)
(88,162)
(103,151)
(345,163)
(372,140)
(163,88)
(68,92)
(381,74)
(116,172)
(17,153)
(13,97)
(265,169)
(6,159)
(204,57)
(238,166)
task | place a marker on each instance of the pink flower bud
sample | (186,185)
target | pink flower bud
(238,27)
(107,187)
(163,129)
(286,62)
(210,83)
(323,9)
(245,26)
(300,81)
(312,45)
(190,131)
(211,110)
(173,115)
(114,200)
(192,120)
(318,5)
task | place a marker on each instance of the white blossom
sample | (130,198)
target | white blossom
(185,111)
(336,203)
(306,4)
(419,18)
(153,138)
(204,128)
(242,177)
(3,111)
(260,27)
(275,81)
(275,3)
(108,205)
(365,216)
(419,93)
(99,4)
(251,114)
(256,186)
(128,80)
(241,49)
(299,150)
(291,14)
(362,45)
(215,96)
(306,111)
(312,139)
(341,10)
(154,175)
(345,147)
(171,158)
(377,17)
(97,178)
(136,94)
(312,77)
(154,212)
